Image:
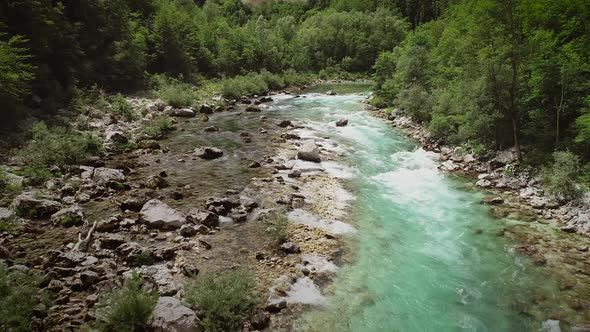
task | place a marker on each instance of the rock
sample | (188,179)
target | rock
(114,135)
(6,214)
(342,123)
(253,109)
(205,109)
(206,218)
(170,315)
(309,152)
(285,124)
(290,248)
(331,93)
(156,182)
(33,205)
(484,183)
(183,113)
(221,206)
(149,144)
(294,174)
(539,259)
(492,200)
(156,214)
(538,202)
(13,179)
(287,136)
(276,307)
(208,153)
(133,203)
(211,129)
(112,241)
(189,270)
(72,216)
(202,229)
(188,230)
(104,175)
(254,164)
(260,320)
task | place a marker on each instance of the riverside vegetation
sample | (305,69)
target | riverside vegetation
(95,95)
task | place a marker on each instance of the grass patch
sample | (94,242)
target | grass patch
(260,83)
(19,294)
(158,126)
(277,227)
(223,301)
(174,92)
(55,147)
(120,108)
(127,308)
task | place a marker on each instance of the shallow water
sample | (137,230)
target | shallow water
(426,257)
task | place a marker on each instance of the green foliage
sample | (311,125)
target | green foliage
(277,227)
(379,102)
(158,126)
(127,308)
(15,69)
(174,92)
(559,178)
(260,83)
(224,301)
(55,147)
(19,294)
(121,108)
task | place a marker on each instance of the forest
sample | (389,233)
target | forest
(121,117)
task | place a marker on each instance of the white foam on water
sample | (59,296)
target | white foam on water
(305,291)
(318,263)
(335,227)
(339,171)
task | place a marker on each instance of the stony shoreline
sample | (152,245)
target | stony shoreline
(144,210)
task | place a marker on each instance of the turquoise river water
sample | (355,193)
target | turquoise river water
(425,256)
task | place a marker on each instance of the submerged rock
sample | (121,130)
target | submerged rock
(492,200)
(342,123)
(184,113)
(208,153)
(156,214)
(309,152)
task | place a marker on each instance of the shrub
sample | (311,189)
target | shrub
(559,178)
(175,93)
(121,108)
(442,127)
(19,295)
(378,102)
(277,227)
(158,126)
(224,301)
(55,147)
(127,308)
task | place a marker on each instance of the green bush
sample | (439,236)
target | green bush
(127,308)
(93,97)
(158,126)
(55,147)
(19,294)
(559,178)
(441,127)
(277,226)
(174,92)
(379,102)
(224,301)
(121,108)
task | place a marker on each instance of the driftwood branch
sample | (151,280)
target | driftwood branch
(82,244)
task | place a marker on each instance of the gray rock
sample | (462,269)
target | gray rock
(538,202)
(156,182)
(156,214)
(170,315)
(104,175)
(183,113)
(208,153)
(6,214)
(284,124)
(331,93)
(342,123)
(72,216)
(206,218)
(290,248)
(253,109)
(484,183)
(188,230)
(114,135)
(309,152)
(205,109)
(33,205)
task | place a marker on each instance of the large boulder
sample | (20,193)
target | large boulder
(183,113)
(206,109)
(115,135)
(170,315)
(208,153)
(6,214)
(309,152)
(72,216)
(33,205)
(156,214)
(104,175)
(201,217)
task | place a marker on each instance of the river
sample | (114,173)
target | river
(425,256)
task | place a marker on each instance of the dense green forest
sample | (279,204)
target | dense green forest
(492,74)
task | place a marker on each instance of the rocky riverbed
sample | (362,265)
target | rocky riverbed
(191,203)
